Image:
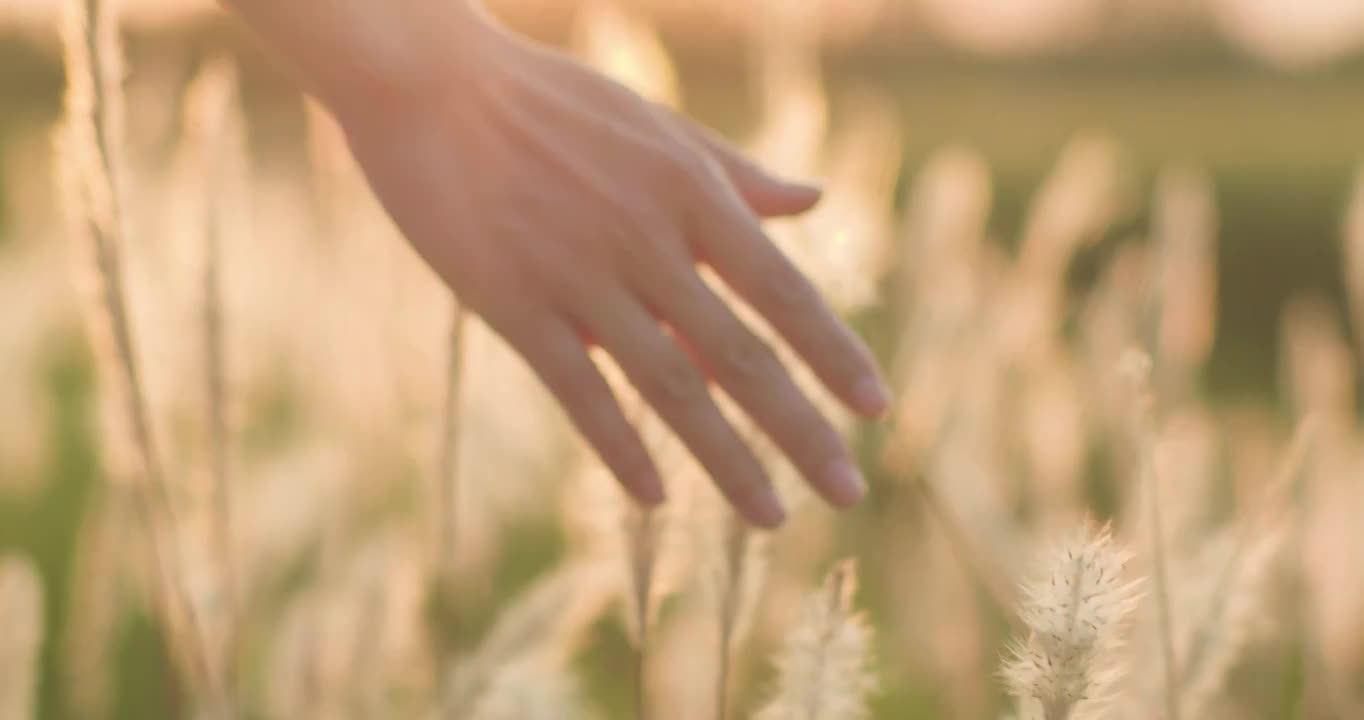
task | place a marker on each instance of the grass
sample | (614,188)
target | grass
(1281,156)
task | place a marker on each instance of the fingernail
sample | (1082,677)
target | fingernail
(871,397)
(764,507)
(843,483)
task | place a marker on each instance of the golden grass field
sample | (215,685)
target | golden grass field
(255,462)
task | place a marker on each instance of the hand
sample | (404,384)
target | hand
(567,211)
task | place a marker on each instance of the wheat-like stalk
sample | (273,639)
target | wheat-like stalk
(21,606)
(735,602)
(641,535)
(94,606)
(1225,594)
(1354,258)
(641,542)
(91,143)
(1136,366)
(1254,541)
(738,573)
(1186,236)
(985,569)
(1074,610)
(216,135)
(825,664)
(447,510)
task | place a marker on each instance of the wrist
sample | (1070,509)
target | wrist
(373,53)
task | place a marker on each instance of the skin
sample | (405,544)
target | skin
(569,212)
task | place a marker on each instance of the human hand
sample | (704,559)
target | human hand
(567,211)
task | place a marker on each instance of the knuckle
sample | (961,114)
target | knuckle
(626,458)
(819,441)
(639,252)
(801,430)
(744,358)
(742,477)
(847,356)
(674,381)
(572,382)
(645,240)
(786,293)
(674,170)
(548,271)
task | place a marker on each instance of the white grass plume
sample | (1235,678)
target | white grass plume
(21,609)
(1074,609)
(1316,364)
(1082,196)
(617,39)
(1185,220)
(826,663)
(531,689)
(545,625)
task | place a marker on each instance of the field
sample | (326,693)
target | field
(255,461)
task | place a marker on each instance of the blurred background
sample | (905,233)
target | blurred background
(1018,190)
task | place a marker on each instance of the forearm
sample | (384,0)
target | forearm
(368,50)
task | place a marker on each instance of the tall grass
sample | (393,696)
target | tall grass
(826,664)
(21,603)
(1074,610)
(92,150)
(348,575)
(447,510)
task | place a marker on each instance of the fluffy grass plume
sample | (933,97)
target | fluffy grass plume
(826,664)
(1185,220)
(531,690)
(544,625)
(1074,609)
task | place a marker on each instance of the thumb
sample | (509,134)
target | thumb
(765,194)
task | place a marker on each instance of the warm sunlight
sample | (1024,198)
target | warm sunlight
(681,359)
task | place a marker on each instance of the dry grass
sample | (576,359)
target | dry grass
(347,488)
(21,603)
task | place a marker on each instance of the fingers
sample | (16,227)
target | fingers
(753,375)
(558,356)
(729,239)
(674,386)
(765,194)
